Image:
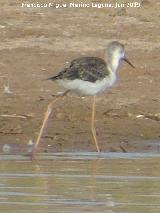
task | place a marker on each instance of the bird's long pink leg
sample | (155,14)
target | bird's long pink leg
(93,124)
(46,117)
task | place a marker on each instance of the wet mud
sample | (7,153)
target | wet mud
(36,43)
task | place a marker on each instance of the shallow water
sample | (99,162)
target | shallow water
(81,182)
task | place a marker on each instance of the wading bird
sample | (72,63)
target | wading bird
(88,76)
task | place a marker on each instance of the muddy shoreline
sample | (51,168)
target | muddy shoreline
(37,43)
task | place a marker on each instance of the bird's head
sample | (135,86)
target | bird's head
(116,52)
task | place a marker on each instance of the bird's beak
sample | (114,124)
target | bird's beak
(128,62)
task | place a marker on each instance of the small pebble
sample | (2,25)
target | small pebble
(140,116)
(30,142)
(30,146)
(7,90)
(6,148)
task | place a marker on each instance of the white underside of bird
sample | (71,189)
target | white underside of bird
(89,88)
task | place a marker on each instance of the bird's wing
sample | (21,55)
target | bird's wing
(85,68)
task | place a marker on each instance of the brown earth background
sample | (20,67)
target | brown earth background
(36,43)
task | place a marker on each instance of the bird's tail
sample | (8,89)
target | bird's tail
(58,76)
(53,78)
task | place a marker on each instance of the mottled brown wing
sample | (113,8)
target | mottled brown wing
(84,68)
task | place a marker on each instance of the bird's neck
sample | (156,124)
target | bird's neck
(113,63)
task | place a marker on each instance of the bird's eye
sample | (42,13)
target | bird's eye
(121,52)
